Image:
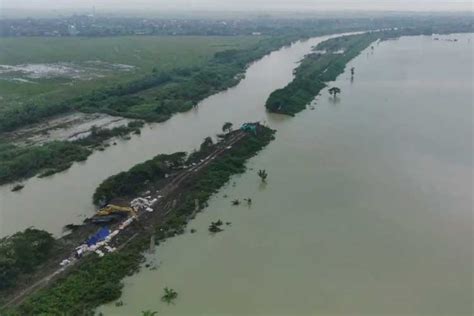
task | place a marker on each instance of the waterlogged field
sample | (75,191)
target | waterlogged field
(39,69)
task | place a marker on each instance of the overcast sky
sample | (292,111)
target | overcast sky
(295,5)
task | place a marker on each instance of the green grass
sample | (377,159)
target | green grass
(152,95)
(143,52)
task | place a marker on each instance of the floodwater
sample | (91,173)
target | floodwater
(53,202)
(368,205)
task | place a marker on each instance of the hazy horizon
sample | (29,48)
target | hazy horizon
(242,5)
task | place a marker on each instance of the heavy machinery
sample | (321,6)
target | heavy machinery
(112,212)
(115,209)
(249,127)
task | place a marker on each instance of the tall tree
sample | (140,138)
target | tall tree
(334,91)
(227,127)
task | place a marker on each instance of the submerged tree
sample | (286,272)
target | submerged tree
(149,313)
(215,227)
(334,91)
(263,175)
(169,296)
(227,127)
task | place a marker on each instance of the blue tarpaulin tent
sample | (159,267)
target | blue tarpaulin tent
(99,236)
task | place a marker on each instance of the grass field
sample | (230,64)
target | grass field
(142,52)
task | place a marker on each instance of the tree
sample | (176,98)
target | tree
(169,296)
(23,252)
(227,127)
(334,91)
(263,175)
(207,143)
(149,313)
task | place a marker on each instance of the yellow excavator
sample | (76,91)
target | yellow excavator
(112,212)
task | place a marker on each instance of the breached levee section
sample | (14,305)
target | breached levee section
(165,192)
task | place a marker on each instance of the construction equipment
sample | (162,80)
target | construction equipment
(249,127)
(111,209)
(112,212)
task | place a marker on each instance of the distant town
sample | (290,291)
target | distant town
(91,25)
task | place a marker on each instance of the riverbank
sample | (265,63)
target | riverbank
(327,61)
(18,163)
(152,98)
(183,132)
(196,178)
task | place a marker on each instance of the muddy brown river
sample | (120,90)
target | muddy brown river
(53,202)
(367,210)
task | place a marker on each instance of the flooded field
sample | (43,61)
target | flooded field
(63,127)
(88,70)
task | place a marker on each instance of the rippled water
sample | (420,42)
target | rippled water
(368,206)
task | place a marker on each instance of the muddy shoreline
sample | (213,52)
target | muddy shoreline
(64,127)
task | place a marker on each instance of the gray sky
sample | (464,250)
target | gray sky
(277,5)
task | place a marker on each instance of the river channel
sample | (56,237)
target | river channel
(53,202)
(368,205)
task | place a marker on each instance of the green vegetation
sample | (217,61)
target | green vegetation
(316,70)
(334,91)
(152,97)
(18,163)
(99,61)
(131,182)
(98,280)
(169,296)
(330,58)
(172,74)
(227,127)
(52,157)
(23,253)
(263,175)
(215,227)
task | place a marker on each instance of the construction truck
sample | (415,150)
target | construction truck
(112,212)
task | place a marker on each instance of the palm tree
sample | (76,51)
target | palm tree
(169,296)
(334,91)
(149,313)
(227,127)
(263,175)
